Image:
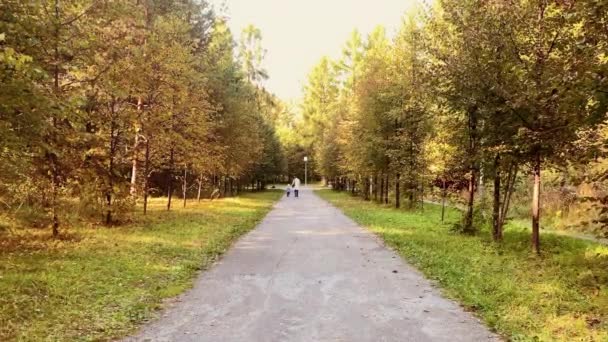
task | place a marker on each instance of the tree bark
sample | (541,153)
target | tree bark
(200,186)
(170,178)
(136,145)
(443,196)
(112,153)
(472,150)
(185,184)
(140,109)
(496,226)
(51,156)
(375,189)
(536,204)
(411,196)
(422,196)
(381,188)
(386,186)
(468,220)
(397,192)
(54,193)
(146,171)
(512,178)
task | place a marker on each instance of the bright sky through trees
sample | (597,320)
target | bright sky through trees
(296,33)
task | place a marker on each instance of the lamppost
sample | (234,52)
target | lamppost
(305,170)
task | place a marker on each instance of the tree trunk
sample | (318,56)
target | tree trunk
(496,227)
(54,193)
(397,192)
(386,187)
(170,179)
(51,156)
(536,204)
(375,189)
(146,171)
(108,219)
(422,196)
(136,145)
(133,190)
(200,186)
(381,188)
(55,223)
(226,187)
(411,196)
(111,154)
(185,184)
(443,196)
(509,191)
(468,220)
(472,151)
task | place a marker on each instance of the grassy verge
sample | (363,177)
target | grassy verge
(97,284)
(559,296)
(526,225)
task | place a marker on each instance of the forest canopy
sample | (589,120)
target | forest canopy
(105,103)
(468,98)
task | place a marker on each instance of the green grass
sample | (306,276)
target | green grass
(521,224)
(98,284)
(559,296)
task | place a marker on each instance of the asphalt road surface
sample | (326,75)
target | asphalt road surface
(309,273)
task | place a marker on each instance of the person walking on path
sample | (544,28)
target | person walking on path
(296,186)
(288,189)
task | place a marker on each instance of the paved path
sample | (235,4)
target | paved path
(309,273)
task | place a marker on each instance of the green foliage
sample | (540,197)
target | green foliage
(466,92)
(560,296)
(108,102)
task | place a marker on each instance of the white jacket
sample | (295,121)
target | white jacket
(296,183)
